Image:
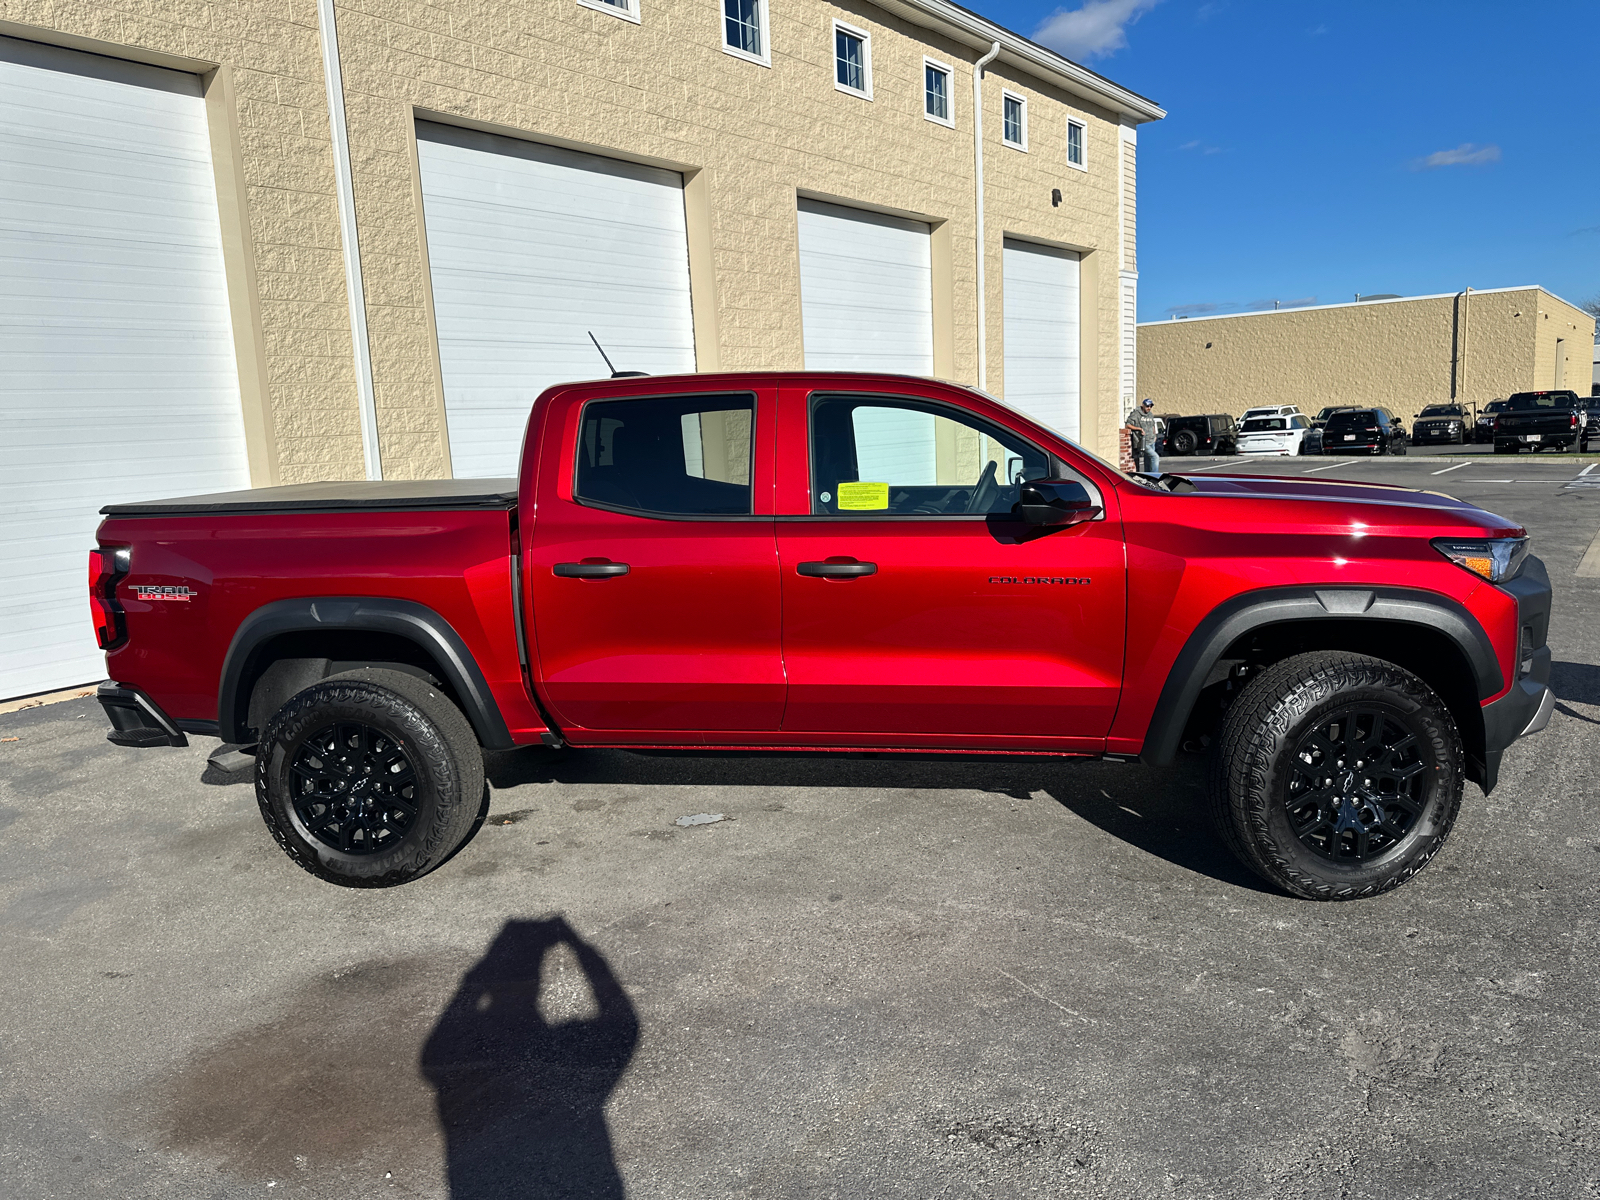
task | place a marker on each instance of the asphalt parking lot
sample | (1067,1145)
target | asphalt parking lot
(875,977)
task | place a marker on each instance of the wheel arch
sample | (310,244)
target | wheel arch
(1432,636)
(290,644)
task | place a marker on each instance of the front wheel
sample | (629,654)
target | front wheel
(1336,776)
(370,778)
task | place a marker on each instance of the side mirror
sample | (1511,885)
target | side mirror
(1056,502)
(1014,468)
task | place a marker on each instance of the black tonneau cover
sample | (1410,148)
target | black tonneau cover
(420,495)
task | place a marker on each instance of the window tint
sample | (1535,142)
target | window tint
(674,454)
(741,26)
(1532,401)
(1262,425)
(850,59)
(903,458)
(936,92)
(1353,416)
(1014,130)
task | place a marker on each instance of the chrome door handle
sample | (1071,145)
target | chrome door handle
(590,570)
(836,570)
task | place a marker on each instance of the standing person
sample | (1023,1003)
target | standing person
(1143,421)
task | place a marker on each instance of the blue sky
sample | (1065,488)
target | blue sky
(1316,150)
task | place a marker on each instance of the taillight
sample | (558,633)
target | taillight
(107,566)
(1574,420)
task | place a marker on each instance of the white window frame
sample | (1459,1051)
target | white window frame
(866,58)
(1083,143)
(1023,101)
(628,10)
(764,59)
(949,122)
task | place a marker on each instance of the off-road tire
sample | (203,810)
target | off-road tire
(436,739)
(1184,442)
(1254,754)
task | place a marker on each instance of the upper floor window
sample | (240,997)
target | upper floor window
(1014,120)
(1076,132)
(852,60)
(744,29)
(685,455)
(628,10)
(936,92)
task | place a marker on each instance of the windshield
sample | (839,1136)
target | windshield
(1441,410)
(1263,425)
(1495,406)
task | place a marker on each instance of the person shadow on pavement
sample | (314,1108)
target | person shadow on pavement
(521,1100)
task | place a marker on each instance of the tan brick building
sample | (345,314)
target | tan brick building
(273,241)
(1470,347)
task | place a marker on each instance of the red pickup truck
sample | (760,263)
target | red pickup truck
(830,562)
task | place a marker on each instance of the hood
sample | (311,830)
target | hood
(1270,487)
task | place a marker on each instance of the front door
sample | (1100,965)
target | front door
(917,610)
(653,569)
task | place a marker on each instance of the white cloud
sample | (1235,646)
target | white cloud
(1465,155)
(1097,29)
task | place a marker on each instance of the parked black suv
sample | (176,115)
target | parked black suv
(1483,430)
(1446,423)
(1215,433)
(1364,431)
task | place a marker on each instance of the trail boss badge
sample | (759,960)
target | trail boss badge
(144,591)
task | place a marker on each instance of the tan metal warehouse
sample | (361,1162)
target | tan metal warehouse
(273,241)
(1470,347)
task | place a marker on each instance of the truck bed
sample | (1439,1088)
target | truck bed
(419,495)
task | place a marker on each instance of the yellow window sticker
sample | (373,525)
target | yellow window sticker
(862,496)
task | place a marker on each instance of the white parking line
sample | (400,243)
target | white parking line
(1457,467)
(1213,467)
(1331,466)
(1587,469)
(1589,567)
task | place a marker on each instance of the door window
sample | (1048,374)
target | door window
(683,455)
(882,457)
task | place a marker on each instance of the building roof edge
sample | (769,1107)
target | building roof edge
(1278,312)
(1030,55)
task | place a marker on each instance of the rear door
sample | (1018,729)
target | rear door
(917,611)
(652,567)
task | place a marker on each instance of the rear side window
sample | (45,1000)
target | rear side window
(683,455)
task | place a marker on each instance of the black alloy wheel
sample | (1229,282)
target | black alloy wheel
(353,788)
(1356,785)
(370,778)
(1336,776)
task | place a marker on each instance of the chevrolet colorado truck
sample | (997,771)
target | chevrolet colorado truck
(830,563)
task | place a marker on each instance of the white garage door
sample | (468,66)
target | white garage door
(531,249)
(866,291)
(117,376)
(1041,333)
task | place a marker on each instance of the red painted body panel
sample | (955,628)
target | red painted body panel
(456,563)
(712,638)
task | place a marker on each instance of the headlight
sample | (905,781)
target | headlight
(1494,559)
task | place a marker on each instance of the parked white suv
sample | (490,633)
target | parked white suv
(1284,435)
(1272,410)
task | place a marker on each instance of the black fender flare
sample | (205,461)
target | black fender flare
(415,622)
(1242,614)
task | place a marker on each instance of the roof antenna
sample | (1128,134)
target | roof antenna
(615,374)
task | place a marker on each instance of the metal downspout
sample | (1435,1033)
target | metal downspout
(347,235)
(977,155)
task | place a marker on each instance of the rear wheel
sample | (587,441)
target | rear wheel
(1184,442)
(1336,776)
(370,778)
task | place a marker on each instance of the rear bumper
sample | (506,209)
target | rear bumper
(1526,708)
(137,720)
